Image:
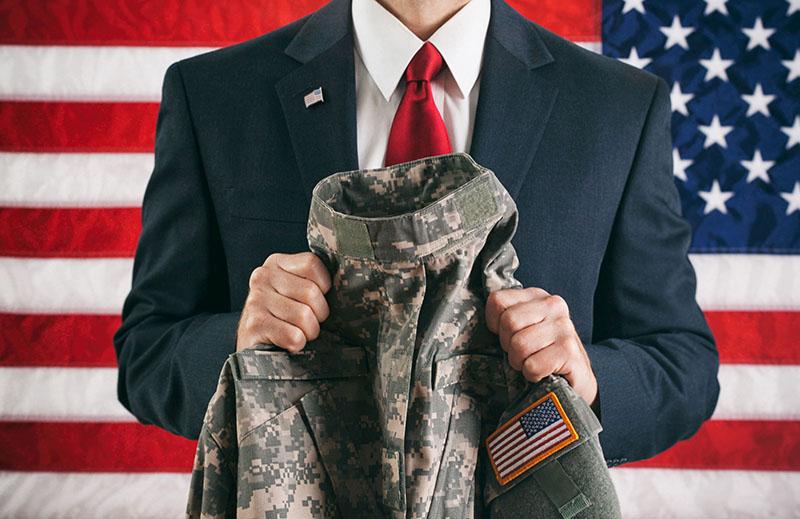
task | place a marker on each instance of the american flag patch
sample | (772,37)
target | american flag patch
(535,433)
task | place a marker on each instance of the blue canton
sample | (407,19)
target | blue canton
(539,417)
(734,72)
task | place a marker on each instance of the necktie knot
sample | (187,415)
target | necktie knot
(425,64)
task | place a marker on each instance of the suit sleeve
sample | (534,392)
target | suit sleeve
(177,328)
(653,354)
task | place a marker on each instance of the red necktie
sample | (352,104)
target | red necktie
(418,129)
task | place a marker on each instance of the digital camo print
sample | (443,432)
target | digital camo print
(384,414)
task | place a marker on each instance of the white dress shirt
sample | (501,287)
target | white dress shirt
(383,48)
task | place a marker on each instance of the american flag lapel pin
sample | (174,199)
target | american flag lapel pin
(314,97)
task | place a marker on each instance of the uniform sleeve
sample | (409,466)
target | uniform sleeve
(653,354)
(177,327)
(212,490)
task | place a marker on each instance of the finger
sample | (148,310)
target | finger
(500,300)
(293,312)
(306,265)
(301,290)
(264,328)
(517,318)
(552,359)
(283,334)
(531,339)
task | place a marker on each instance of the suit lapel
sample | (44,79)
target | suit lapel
(323,135)
(517,93)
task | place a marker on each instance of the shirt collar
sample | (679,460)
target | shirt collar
(386,45)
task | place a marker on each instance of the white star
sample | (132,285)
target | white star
(678,99)
(716,198)
(758,167)
(633,5)
(716,5)
(794,6)
(715,133)
(679,165)
(757,103)
(676,34)
(793,65)
(715,66)
(758,35)
(634,59)
(793,199)
(793,132)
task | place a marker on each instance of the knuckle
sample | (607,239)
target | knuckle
(511,320)
(536,292)
(294,340)
(517,343)
(571,346)
(307,292)
(307,316)
(493,299)
(271,259)
(258,277)
(528,369)
(306,260)
(531,371)
(557,304)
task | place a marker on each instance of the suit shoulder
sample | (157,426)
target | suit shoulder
(595,74)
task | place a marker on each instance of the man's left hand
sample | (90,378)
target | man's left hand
(536,331)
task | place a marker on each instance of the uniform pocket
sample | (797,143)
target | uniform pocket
(300,442)
(475,387)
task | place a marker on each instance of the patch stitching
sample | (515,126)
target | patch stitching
(541,456)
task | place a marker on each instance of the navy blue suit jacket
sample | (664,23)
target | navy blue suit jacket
(582,142)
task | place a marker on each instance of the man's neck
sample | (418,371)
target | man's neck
(423,17)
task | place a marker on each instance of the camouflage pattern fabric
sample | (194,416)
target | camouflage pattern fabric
(384,414)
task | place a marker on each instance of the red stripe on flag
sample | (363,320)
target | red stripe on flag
(58,340)
(77,126)
(756,337)
(734,445)
(69,232)
(132,447)
(85,340)
(576,20)
(196,23)
(92,447)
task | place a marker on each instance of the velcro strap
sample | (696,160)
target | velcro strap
(561,490)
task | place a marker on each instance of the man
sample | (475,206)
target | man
(581,141)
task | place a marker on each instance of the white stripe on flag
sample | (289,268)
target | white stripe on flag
(644,494)
(99,73)
(747,393)
(529,455)
(64,285)
(100,285)
(758,392)
(48,494)
(594,46)
(504,436)
(747,281)
(74,179)
(55,394)
(701,494)
(126,73)
(501,454)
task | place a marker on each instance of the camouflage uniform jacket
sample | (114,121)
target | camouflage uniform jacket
(387,413)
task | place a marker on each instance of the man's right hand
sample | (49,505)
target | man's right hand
(286,302)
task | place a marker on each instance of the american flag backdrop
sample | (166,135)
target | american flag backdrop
(80,83)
